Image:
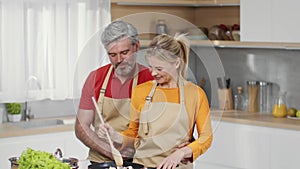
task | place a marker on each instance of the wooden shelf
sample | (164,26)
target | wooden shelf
(237,44)
(173,2)
(200,17)
(194,3)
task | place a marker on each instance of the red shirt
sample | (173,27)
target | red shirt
(114,88)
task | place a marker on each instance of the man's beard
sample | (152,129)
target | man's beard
(124,69)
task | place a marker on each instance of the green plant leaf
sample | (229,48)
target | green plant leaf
(13,108)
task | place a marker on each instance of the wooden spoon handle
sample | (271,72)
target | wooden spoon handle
(97,109)
(116,154)
(101,119)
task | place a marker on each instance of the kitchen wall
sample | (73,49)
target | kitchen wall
(50,108)
(279,66)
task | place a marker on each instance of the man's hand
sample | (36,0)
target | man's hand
(114,135)
(127,152)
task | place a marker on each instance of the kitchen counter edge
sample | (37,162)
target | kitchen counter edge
(256,119)
(239,117)
(7,130)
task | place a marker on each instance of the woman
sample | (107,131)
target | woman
(165,111)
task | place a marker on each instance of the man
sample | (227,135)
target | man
(111,85)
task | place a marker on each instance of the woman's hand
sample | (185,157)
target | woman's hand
(186,159)
(171,161)
(115,136)
(174,159)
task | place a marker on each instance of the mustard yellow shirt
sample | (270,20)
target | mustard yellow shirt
(196,105)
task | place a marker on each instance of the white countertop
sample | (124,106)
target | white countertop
(10,130)
(256,119)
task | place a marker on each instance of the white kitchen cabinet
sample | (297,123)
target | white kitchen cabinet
(270,21)
(238,146)
(74,147)
(13,146)
(285,149)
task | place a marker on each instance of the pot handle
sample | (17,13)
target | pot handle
(58,153)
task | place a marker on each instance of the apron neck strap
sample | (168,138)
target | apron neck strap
(105,82)
(103,87)
(181,91)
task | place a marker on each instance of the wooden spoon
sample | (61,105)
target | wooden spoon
(116,154)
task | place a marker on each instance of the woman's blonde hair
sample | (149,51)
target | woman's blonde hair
(169,49)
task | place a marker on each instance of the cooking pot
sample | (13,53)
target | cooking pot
(73,162)
(14,162)
(106,165)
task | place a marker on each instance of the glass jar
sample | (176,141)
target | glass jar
(279,106)
(239,99)
(252,88)
(161,27)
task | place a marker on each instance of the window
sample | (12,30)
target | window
(55,41)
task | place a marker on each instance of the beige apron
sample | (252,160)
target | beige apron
(116,113)
(163,126)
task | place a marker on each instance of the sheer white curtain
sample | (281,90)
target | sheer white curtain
(44,39)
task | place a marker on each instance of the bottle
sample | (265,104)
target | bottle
(239,99)
(161,27)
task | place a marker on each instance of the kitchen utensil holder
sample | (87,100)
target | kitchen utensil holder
(225,99)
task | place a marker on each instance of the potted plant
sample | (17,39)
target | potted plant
(14,111)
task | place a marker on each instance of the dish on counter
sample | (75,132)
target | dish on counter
(294,118)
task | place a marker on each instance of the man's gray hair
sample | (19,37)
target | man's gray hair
(118,30)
